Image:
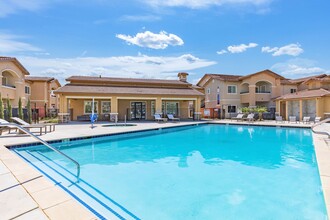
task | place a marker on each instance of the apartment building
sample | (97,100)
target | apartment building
(42,94)
(225,94)
(12,79)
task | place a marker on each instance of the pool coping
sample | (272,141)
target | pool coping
(322,151)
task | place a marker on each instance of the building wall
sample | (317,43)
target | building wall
(16,79)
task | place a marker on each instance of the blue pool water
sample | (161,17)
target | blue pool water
(194,172)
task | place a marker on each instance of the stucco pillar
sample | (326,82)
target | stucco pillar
(252,95)
(114,105)
(300,110)
(158,105)
(286,110)
(317,109)
(278,107)
(63,104)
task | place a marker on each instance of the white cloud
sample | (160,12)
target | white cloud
(152,40)
(290,49)
(296,68)
(222,52)
(10,44)
(8,7)
(241,48)
(141,66)
(197,4)
(149,18)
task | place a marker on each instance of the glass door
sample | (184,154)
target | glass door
(138,110)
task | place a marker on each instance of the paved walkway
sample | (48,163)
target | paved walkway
(27,194)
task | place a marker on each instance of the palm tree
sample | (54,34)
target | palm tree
(260,110)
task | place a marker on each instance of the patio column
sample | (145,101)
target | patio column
(158,105)
(114,105)
(252,95)
(286,110)
(63,104)
(317,108)
(300,109)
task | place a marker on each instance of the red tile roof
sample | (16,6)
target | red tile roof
(86,89)
(305,94)
(125,80)
(263,71)
(300,80)
(13,59)
(39,78)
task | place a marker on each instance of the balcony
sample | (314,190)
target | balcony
(263,97)
(245,97)
(8,91)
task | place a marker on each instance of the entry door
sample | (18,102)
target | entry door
(138,110)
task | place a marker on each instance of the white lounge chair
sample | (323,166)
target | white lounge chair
(279,119)
(159,118)
(9,128)
(293,119)
(238,117)
(28,127)
(306,119)
(250,117)
(317,119)
(172,118)
(22,122)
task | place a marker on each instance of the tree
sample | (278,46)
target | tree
(9,110)
(260,110)
(245,110)
(2,115)
(29,111)
(20,108)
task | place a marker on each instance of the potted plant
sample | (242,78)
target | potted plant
(260,110)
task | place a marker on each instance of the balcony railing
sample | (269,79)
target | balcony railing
(263,91)
(10,86)
(244,92)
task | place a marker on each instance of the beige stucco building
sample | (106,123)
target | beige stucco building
(227,93)
(312,100)
(133,99)
(42,94)
(12,79)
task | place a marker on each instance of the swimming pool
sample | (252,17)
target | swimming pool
(193,172)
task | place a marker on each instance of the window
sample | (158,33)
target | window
(231,108)
(208,91)
(171,108)
(232,89)
(27,90)
(293,90)
(105,107)
(218,99)
(88,107)
(4,81)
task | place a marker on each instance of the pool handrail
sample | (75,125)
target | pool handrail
(319,123)
(44,143)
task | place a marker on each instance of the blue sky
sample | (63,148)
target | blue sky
(158,39)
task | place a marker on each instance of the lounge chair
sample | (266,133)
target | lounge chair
(279,119)
(9,128)
(172,118)
(317,119)
(28,127)
(238,117)
(159,118)
(250,117)
(22,122)
(293,119)
(306,119)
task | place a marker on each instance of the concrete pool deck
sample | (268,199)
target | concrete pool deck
(26,194)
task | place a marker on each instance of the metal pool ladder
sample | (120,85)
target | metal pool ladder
(44,143)
(319,123)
